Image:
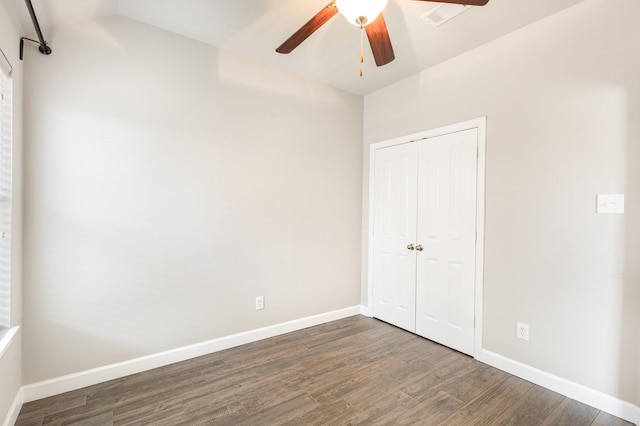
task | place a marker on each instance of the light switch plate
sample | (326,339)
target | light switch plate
(610,203)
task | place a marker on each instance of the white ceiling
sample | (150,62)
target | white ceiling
(254,28)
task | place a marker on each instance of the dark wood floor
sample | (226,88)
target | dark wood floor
(353,371)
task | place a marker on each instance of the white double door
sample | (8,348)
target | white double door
(424,237)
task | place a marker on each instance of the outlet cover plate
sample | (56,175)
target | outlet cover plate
(522,331)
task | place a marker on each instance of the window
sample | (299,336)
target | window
(5,192)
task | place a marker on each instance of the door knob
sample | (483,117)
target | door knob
(411,247)
(419,247)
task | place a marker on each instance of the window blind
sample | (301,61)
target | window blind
(5,191)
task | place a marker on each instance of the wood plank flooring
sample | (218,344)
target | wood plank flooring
(355,371)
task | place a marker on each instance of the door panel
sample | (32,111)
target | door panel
(446,228)
(394,227)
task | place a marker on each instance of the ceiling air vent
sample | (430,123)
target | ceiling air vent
(441,14)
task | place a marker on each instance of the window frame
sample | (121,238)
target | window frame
(6,190)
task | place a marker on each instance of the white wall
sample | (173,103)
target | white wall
(168,184)
(11,361)
(562,100)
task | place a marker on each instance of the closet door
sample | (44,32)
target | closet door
(446,235)
(394,232)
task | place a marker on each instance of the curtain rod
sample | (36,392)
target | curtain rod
(44,49)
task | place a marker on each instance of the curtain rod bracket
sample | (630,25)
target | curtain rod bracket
(45,50)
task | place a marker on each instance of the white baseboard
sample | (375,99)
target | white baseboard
(366,311)
(94,376)
(14,410)
(601,401)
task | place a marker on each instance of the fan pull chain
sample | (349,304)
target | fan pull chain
(361,48)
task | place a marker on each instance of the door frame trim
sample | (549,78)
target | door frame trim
(481,125)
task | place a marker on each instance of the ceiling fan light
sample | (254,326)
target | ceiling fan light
(360,12)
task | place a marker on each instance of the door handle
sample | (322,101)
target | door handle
(411,247)
(419,247)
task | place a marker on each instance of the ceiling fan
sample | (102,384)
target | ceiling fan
(365,14)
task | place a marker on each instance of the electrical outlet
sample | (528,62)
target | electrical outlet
(522,331)
(259,303)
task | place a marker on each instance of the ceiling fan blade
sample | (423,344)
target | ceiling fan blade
(380,41)
(465,2)
(318,20)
